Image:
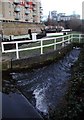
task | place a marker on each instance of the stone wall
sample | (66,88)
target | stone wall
(18,28)
(35,62)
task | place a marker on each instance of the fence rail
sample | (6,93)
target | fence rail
(64,40)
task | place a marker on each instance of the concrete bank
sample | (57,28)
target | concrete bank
(35,62)
(16,106)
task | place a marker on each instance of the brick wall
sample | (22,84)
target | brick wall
(15,28)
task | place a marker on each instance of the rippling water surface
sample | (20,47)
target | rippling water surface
(45,87)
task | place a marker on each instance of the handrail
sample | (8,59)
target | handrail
(69,39)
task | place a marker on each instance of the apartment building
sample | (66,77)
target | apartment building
(61,16)
(21,10)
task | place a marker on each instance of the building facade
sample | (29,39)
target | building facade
(21,10)
(61,16)
(54,15)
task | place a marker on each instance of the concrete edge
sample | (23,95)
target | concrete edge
(36,61)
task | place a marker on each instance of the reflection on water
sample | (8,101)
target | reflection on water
(45,87)
(9,87)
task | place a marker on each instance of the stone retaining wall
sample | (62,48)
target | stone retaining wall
(35,62)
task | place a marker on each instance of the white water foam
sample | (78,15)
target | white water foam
(41,104)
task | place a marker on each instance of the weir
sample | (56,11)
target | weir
(45,87)
(33,52)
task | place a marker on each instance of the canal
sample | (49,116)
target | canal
(45,87)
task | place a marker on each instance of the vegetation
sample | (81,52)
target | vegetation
(74,24)
(72,107)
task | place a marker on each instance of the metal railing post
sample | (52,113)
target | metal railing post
(41,47)
(55,47)
(17,52)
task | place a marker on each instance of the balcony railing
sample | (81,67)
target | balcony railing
(26,6)
(34,14)
(26,19)
(27,0)
(34,3)
(34,9)
(27,12)
(17,17)
(17,9)
(16,2)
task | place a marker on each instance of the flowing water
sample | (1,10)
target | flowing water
(46,86)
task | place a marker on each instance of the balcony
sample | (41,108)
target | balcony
(40,11)
(26,6)
(27,0)
(17,17)
(26,19)
(27,12)
(34,9)
(16,2)
(34,3)
(17,9)
(34,14)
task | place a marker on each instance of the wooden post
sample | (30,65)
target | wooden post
(72,38)
(55,44)
(17,52)
(34,36)
(63,41)
(41,47)
(68,39)
(2,46)
(79,38)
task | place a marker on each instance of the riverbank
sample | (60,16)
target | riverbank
(35,61)
(45,77)
(72,106)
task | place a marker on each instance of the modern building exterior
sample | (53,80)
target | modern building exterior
(54,15)
(21,10)
(61,16)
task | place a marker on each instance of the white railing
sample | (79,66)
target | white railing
(66,39)
(16,37)
(20,37)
